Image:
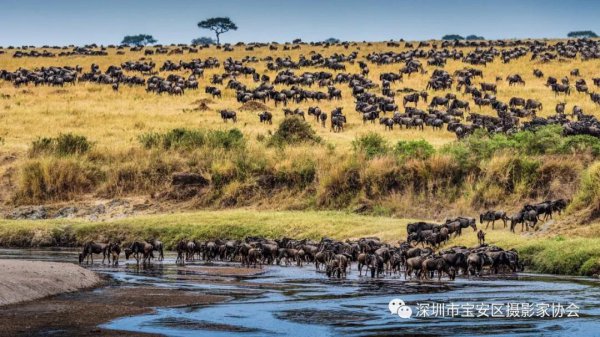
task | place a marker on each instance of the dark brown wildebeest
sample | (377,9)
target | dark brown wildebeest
(489,87)
(492,216)
(561,88)
(181,249)
(265,117)
(481,237)
(91,248)
(137,248)
(337,266)
(228,114)
(114,250)
(412,98)
(437,264)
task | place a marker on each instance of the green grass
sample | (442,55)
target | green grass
(170,228)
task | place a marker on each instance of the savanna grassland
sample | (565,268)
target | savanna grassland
(359,182)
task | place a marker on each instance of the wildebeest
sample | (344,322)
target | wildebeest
(492,216)
(90,248)
(228,114)
(140,251)
(265,117)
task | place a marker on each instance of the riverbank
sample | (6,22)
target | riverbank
(573,250)
(82,313)
(22,281)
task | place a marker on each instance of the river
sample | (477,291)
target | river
(302,302)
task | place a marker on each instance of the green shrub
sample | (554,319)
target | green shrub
(226,139)
(186,139)
(63,145)
(372,145)
(183,139)
(419,149)
(580,143)
(294,131)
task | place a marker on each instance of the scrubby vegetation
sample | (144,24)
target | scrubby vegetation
(481,171)
(63,145)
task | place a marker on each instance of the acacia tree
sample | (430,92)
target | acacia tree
(582,34)
(139,40)
(218,25)
(452,37)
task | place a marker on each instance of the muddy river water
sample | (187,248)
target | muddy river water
(303,302)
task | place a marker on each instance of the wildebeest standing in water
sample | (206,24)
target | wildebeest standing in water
(91,248)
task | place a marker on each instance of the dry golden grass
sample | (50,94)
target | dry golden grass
(114,120)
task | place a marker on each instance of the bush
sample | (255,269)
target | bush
(294,131)
(186,139)
(418,149)
(371,144)
(580,143)
(545,140)
(63,145)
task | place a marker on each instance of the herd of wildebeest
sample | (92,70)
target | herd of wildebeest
(374,99)
(371,254)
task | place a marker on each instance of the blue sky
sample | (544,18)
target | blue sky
(61,22)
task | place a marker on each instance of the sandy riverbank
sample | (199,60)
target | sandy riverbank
(22,281)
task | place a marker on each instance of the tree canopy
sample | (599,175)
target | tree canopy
(582,34)
(475,37)
(203,40)
(332,40)
(452,37)
(218,25)
(139,40)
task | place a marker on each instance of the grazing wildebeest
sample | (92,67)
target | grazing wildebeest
(492,216)
(137,248)
(228,114)
(265,117)
(91,248)
(437,264)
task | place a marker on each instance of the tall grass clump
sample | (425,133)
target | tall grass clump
(588,194)
(55,179)
(63,145)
